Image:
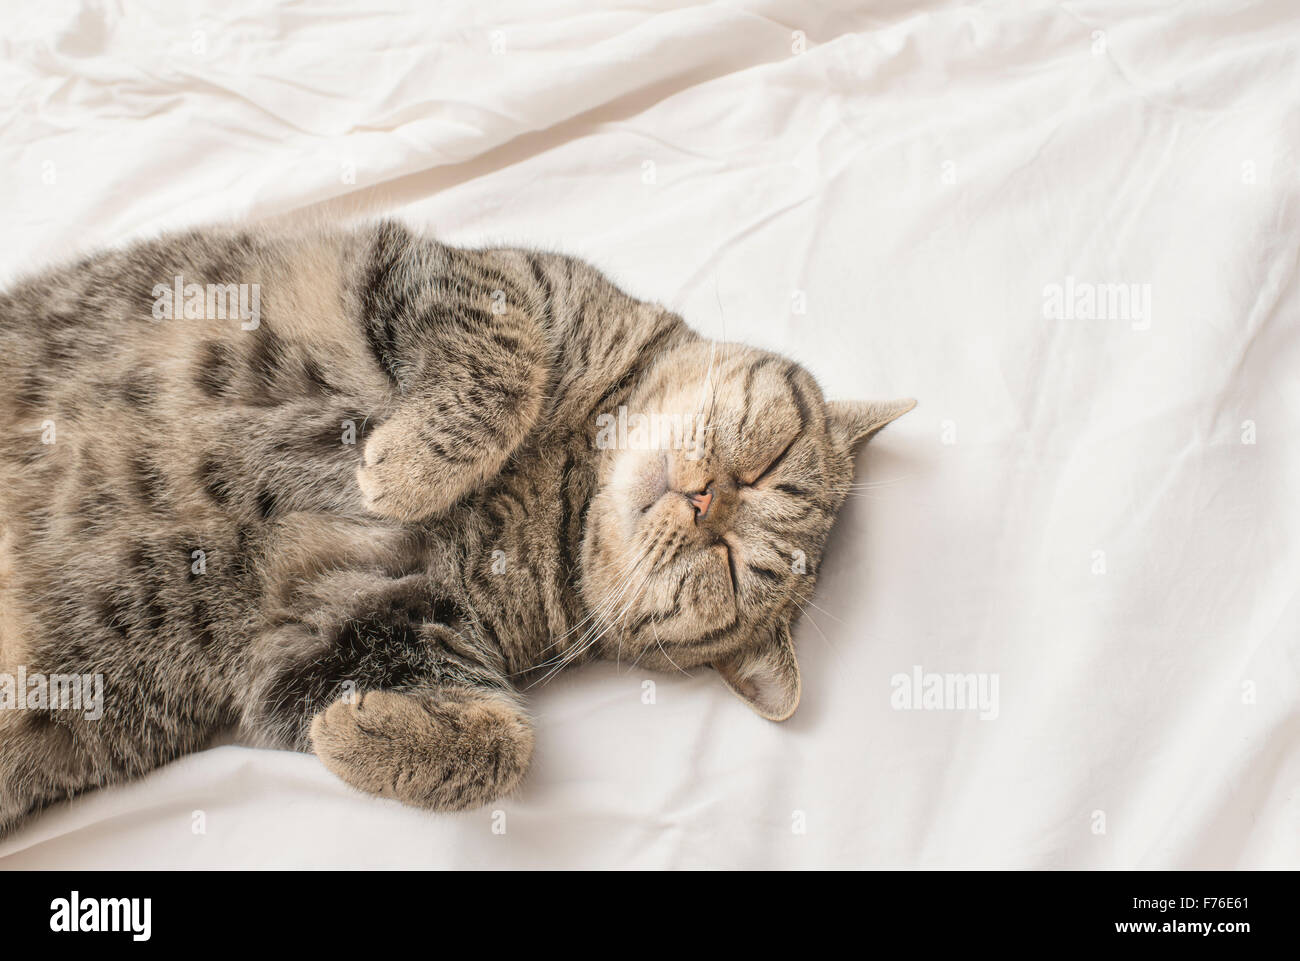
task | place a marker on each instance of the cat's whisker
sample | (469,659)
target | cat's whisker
(612,600)
(817,627)
(868,496)
(631,667)
(596,610)
(665,653)
(872,486)
(867,485)
(709,391)
(808,600)
(635,593)
(596,630)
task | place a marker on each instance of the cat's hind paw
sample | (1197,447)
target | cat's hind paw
(449,749)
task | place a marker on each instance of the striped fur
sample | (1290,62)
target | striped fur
(365,525)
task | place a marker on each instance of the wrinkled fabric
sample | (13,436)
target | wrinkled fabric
(1094,505)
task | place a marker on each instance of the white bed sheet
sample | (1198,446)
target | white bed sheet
(913,180)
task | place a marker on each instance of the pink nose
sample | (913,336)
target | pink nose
(702,501)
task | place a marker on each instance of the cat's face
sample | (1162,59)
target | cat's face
(718,486)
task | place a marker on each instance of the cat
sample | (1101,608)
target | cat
(359,507)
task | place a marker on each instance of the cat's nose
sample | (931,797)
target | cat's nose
(702,501)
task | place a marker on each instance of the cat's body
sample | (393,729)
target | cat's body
(357,519)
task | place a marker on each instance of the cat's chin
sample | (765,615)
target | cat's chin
(693,599)
(683,602)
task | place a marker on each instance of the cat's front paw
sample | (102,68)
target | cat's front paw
(401,476)
(449,749)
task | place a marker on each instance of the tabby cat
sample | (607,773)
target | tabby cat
(359,512)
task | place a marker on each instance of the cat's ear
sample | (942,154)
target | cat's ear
(765,677)
(853,421)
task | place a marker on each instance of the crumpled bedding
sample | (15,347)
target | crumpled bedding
(1059,627)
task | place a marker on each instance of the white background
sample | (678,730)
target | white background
(920,173)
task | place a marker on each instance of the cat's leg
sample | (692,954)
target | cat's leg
(458,334)
(442,444)
(40,763)
(48,755)
(46,758)
(392,702)
(447,748)
(110,729)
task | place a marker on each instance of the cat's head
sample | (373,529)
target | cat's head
(719,482)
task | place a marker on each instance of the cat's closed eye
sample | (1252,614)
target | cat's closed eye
(772,467)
